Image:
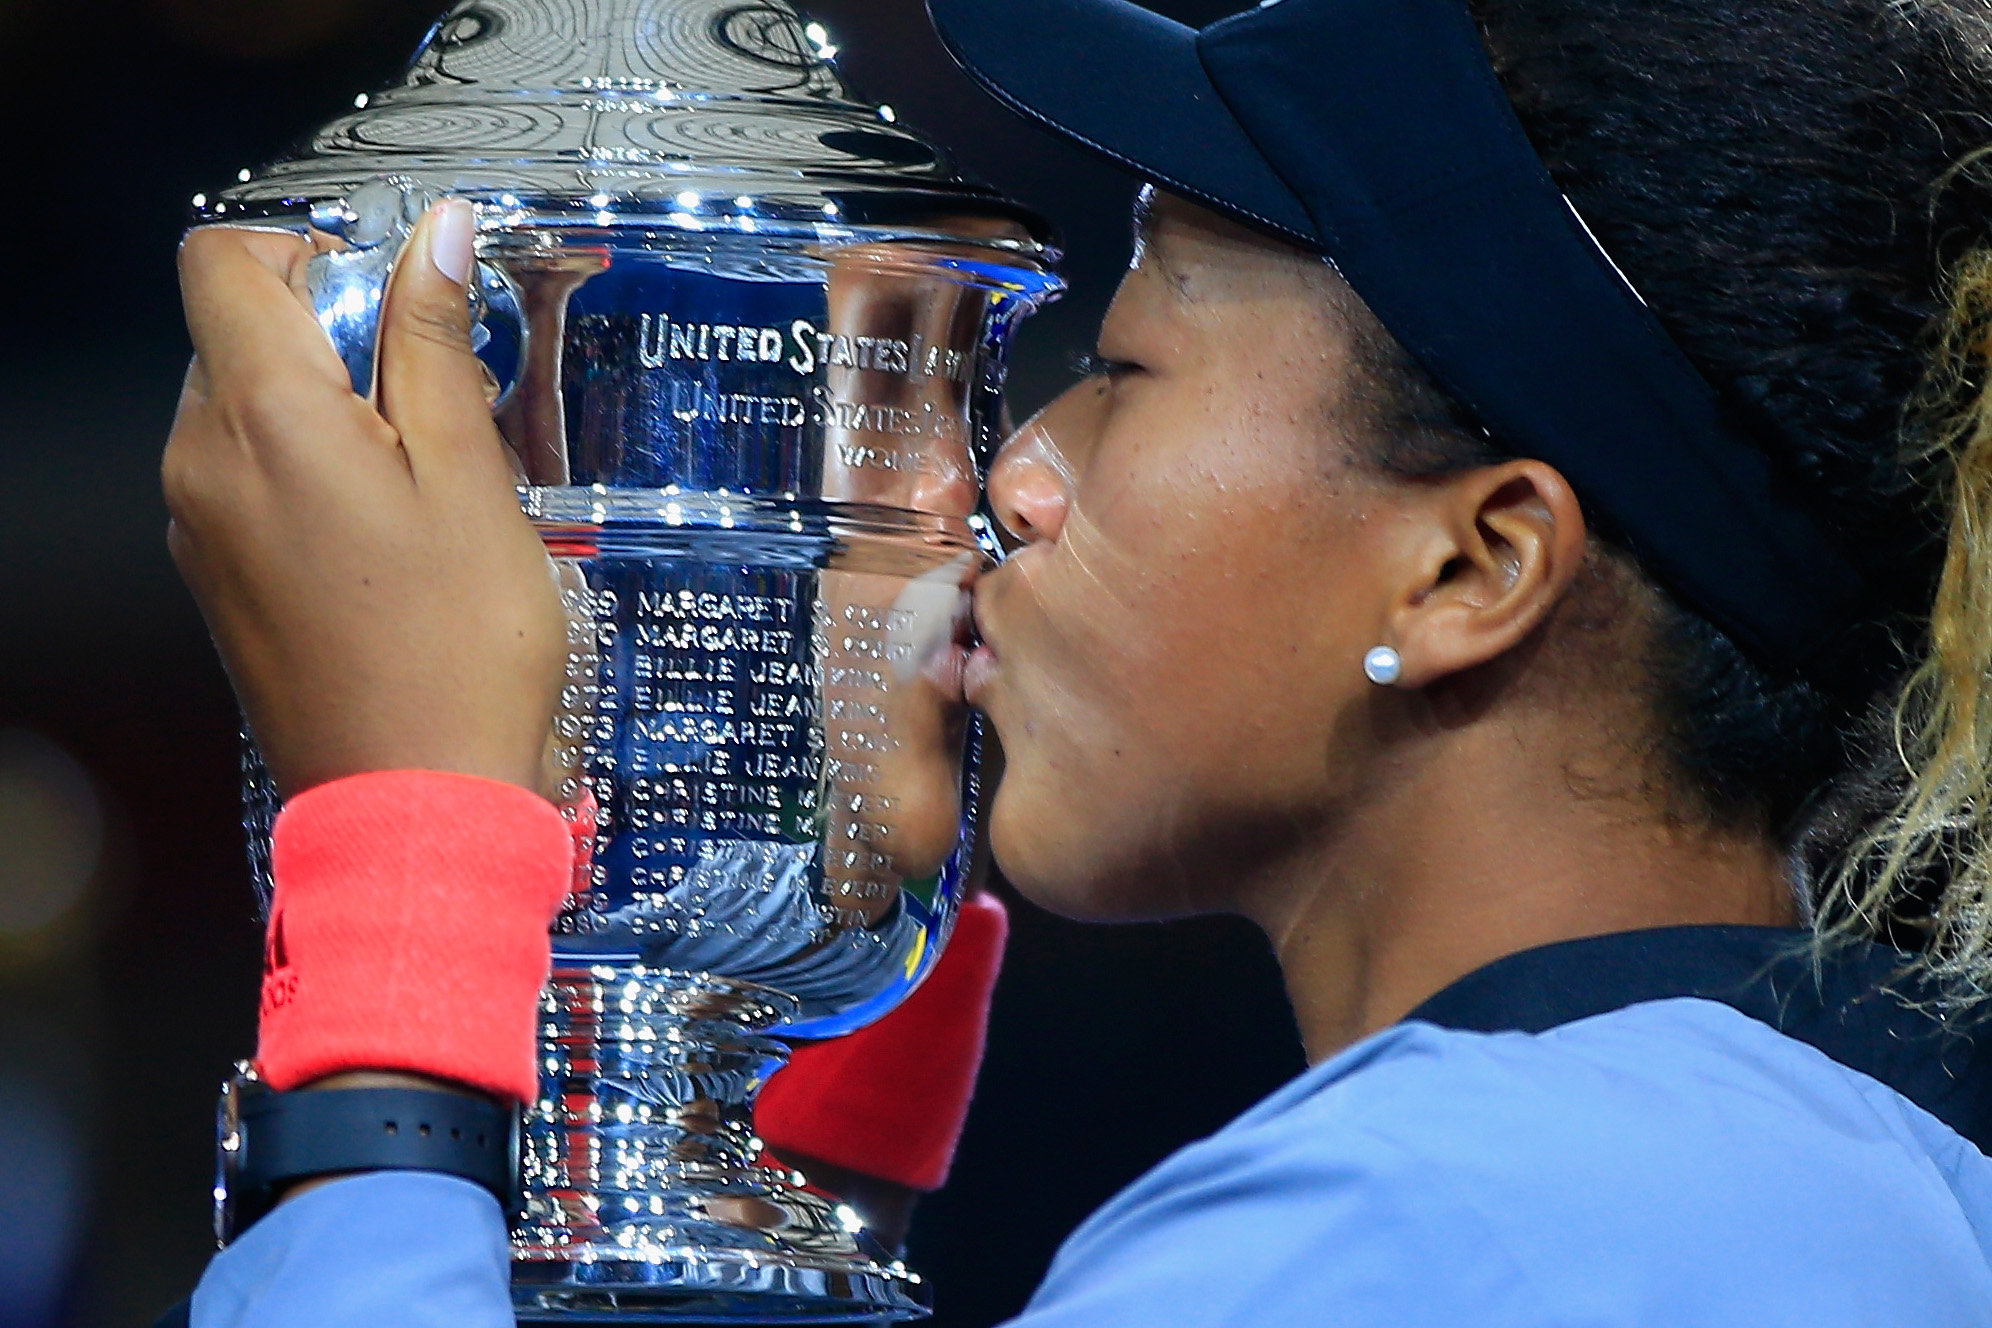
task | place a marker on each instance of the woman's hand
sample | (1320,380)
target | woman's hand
(377,596)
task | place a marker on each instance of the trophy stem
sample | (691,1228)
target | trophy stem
(645,1194)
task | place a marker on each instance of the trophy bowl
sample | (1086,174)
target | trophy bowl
(749,337)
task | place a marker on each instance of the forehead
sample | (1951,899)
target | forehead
(1241,298)
(1200,251)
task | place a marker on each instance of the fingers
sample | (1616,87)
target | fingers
(265,379)
(244,313)
(266,395)
(433,389)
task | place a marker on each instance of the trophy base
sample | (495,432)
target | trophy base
(647,1196)
(698,1286)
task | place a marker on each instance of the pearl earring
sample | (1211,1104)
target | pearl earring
(1383,666)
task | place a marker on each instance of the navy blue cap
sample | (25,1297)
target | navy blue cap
(1375,132)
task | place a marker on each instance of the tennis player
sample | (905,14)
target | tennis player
(1526,543)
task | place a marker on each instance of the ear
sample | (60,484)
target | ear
(1499,551)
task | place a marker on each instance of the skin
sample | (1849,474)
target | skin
(1173,660)
(377,596)
(1172,657)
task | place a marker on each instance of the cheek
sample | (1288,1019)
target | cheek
(1208,570)
(1177,681)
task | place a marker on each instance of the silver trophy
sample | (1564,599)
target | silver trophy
(749,337)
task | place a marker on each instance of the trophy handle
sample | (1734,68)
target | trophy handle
(349,284)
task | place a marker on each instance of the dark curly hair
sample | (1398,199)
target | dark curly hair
(1780,179)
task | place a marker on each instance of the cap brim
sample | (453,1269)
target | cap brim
(1127,84)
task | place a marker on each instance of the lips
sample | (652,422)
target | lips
(946,664)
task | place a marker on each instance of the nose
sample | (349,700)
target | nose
(1031,481)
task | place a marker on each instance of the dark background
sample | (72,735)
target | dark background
(128,948)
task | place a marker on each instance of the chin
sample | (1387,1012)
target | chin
(1064,864)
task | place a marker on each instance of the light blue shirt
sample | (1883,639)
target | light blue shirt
(1673,1164)
(391,1250)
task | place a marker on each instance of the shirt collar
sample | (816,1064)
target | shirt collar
(1856,1003)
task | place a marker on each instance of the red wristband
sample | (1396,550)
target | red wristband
(890,1101)
(410,930)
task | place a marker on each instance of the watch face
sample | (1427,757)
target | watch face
(228,1146)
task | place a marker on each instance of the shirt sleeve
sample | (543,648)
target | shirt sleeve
(387,1250)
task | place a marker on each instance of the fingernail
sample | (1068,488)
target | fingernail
(453,239)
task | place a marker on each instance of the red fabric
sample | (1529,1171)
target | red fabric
(410,930)
(890,1101)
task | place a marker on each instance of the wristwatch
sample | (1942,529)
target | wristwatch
(267,1141)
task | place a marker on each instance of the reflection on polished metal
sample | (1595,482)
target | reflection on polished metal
(749,335)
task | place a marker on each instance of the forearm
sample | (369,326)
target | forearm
(408,946)
(875,1117)
(871,1119)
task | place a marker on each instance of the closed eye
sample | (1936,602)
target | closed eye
(1096,365)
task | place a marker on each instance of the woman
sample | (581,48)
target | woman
(1482,578)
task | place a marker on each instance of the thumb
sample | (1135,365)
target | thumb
(433,388)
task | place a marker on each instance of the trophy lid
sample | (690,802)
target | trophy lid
(693,115)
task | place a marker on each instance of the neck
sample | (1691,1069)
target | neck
(1472,847)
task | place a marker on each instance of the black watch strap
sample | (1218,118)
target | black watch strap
(292,1137)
